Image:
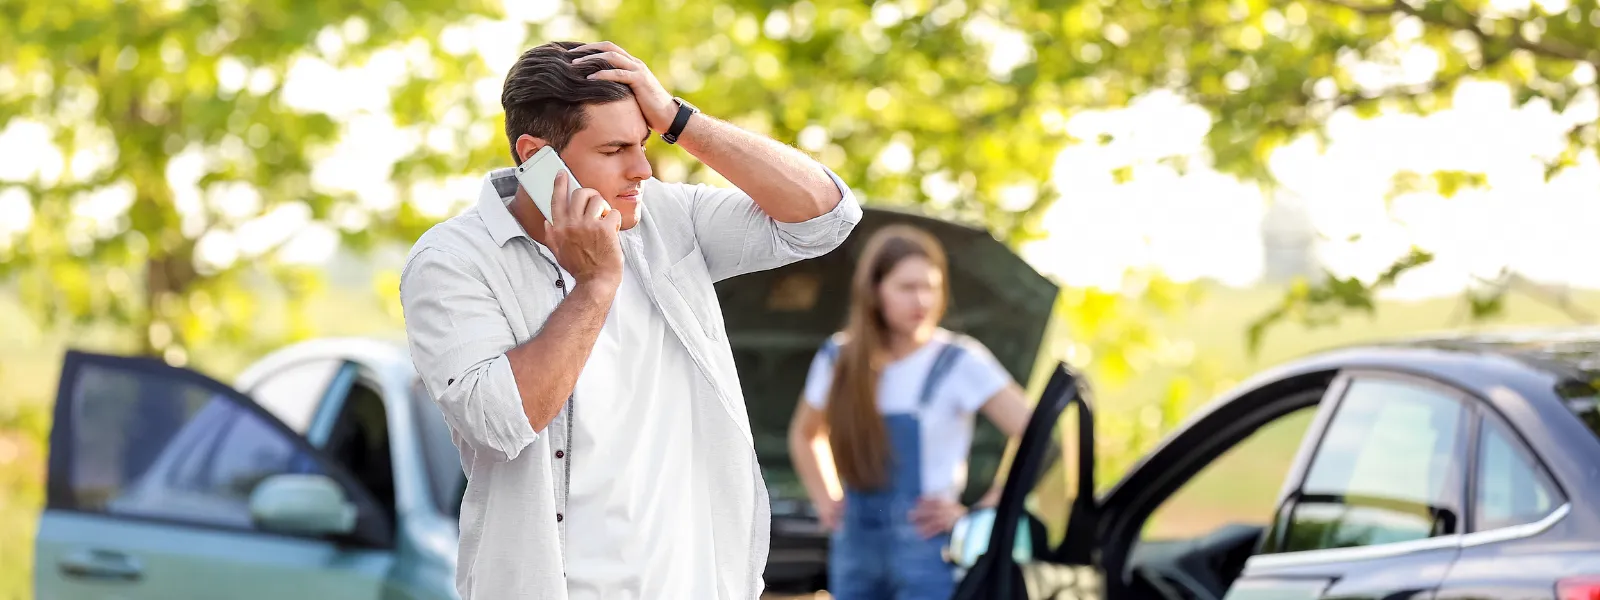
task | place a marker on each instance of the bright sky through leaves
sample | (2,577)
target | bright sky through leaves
(1190,225)
(173,154)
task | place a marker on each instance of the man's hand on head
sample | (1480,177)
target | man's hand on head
(786,184)
(657,105)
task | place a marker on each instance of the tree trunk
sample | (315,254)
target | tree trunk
(167,276)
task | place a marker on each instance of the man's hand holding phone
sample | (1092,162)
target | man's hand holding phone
(583,234)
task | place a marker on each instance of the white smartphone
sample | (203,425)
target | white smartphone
(537,175)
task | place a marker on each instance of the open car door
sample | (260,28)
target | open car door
(1041,557)
(164,483)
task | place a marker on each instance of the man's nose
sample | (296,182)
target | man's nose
(639,168)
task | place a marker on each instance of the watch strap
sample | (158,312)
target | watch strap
(685,110)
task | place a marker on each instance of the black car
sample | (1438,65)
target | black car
(1446,468)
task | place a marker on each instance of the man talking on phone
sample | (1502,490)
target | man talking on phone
(580,358)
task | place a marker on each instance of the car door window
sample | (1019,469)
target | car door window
(360,442)
(151,441)
(446,479)
(1511,488)
(1388,469)
(1239,487)
(244,451)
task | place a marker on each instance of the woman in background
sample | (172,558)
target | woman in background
(894,395)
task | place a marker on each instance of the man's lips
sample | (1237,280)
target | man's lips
(629,195)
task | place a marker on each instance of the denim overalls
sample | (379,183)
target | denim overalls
(876,552)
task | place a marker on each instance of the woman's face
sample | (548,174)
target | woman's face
(909,295)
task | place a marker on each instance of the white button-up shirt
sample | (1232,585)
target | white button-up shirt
(475,286)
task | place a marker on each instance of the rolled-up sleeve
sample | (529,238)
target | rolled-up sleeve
(737,237)
(458,337)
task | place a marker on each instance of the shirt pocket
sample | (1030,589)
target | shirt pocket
(690,278)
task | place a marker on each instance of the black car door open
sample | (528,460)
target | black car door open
(1042,557)
(1369,504)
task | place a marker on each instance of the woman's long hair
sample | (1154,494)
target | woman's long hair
(855,428)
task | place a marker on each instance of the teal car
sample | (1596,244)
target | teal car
(324,472)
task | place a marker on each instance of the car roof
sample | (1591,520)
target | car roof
(1548,363)
(1569,353)
(389,357)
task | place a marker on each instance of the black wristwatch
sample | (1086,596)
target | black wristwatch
(678,123)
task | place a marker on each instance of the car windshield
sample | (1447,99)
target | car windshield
(446,480)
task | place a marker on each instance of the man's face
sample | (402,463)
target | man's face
(608,155)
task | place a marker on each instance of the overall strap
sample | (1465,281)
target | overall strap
(830,349)
(942,364)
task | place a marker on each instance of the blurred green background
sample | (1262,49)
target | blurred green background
(1218,184)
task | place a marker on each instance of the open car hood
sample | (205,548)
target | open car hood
(777,319)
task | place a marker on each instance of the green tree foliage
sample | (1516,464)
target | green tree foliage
(955,106)
(125,87)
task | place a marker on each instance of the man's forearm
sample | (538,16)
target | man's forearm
(546,367)
(788,185)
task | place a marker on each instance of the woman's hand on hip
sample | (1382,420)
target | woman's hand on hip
(933,516)
(830,512)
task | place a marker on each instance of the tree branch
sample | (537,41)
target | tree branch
(1303,117)
(1548,48)
(1543,294)
(1368,9)
(64,190)
(1551,48)
(1402,92)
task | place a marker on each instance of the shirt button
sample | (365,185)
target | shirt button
(561,283)
(559,517)
(560,454)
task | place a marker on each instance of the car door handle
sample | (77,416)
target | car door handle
(100,564)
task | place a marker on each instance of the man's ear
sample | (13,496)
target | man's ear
(527,145)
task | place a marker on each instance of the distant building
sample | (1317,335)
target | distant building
(1290,240)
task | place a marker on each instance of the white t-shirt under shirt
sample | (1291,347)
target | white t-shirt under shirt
(636,520)
(947,420)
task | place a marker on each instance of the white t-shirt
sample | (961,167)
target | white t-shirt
(947,420)
(636,521)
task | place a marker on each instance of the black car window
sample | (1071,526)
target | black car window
(359,441)
(1388,469)
(150,446)
(1239,487)
(1511,488)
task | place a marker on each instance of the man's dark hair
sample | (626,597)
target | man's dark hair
(545,93)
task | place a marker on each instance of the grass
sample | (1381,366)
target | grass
(1233,490)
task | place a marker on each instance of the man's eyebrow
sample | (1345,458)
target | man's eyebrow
(625,143)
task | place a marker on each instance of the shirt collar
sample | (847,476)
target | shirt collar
(499,188)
